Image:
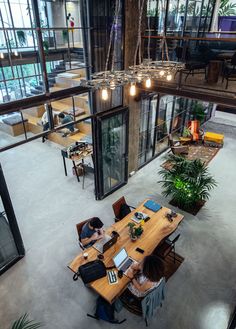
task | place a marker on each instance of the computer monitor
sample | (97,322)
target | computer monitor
(119,258)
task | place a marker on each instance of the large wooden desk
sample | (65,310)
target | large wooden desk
(155,230)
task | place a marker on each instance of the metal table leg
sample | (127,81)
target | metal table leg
(64,163)
(74,165)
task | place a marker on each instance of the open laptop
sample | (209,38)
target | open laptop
(105,243)
(122,261)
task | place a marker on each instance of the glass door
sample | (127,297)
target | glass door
(111,152)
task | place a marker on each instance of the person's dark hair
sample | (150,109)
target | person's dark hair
(61,115)
(96,222)
(153,268)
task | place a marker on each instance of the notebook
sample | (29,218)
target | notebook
(152,205)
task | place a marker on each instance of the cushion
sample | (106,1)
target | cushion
(13,119)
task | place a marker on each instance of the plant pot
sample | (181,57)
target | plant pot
(133,239)
(193,210)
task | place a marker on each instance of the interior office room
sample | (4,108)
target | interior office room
(117,164)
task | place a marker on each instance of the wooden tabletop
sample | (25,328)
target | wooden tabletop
(154,231)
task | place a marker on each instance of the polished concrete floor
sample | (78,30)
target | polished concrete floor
(200,295)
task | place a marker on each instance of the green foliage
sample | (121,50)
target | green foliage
(135,231)
(65,35)
(187,182)
(197,112)
(24,323)
(21,37)
(186,132)
(227,8)
(46,46)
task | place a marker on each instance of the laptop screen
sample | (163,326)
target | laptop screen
(120,257)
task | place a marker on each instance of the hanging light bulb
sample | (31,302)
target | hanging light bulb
(112,85)
(132,90)
(139,77)
(16,53)
(169,77)
(104,94)
(1,55)
(148,83)
(162,73)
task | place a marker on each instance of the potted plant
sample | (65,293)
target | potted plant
(21,37)
(24,323)
(188,183)
(134,231)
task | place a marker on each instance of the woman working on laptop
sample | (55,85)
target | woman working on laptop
(91,232)
(145,276)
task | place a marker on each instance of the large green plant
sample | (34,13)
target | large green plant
(227,8)
(197,112)
(187,182)
(24,323)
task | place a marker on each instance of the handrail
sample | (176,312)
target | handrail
(189,38)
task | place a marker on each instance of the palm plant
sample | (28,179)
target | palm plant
(24,323)
(188,182)
(227,8)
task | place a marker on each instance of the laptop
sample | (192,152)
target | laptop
(122,261)
(105,243)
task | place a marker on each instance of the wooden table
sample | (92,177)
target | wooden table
(155,230)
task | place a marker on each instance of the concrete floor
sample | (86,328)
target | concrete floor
(200,295)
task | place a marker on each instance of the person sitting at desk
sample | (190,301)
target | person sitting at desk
(91,232)
(66,118)
(145,276)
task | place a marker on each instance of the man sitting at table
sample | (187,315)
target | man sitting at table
(91,232)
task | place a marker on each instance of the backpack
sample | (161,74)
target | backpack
(105,311)
(124,210)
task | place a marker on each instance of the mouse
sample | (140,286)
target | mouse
(120,274)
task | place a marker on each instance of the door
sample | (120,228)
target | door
(111,152)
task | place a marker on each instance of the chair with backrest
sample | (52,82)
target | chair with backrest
(79,227)
(176,147)
(147,305)
(117,207)
(164,249)
(229,70)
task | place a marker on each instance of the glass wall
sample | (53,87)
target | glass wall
(112,151)
(164,115)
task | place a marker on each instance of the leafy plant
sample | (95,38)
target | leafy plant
(187,182)
(227,8)
(65,35)
(186,132)
(197,112)
(46,46)
(24,323)
(135,231)
(21,37)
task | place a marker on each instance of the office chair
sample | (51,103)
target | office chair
(79,229)
(166,247)
(117,207)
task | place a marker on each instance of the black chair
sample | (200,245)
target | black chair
(117,206)
(194,64)
(229,70)
(164,249)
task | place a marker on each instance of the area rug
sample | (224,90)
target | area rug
(202,152)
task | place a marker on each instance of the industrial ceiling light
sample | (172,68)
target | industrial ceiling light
(145,71)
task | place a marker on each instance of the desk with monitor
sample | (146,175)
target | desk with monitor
(155,230)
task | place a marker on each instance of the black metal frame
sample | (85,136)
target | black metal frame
(6,200)
(99,191)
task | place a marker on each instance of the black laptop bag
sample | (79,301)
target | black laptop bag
(92,271)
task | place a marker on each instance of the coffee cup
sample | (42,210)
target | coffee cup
(85,254)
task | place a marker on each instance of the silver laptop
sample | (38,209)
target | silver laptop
(122,261)
(100,243)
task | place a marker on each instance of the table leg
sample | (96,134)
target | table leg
(83,173)
(74,165)
(64,163)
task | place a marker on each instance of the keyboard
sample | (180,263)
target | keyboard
(112,277)
(126,265)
